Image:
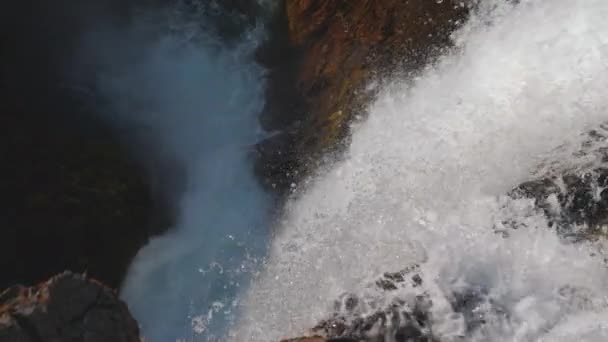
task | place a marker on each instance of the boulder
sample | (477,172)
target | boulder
(68,307)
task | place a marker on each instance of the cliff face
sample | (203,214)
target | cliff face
(324,55)
(71,195)
(74,199)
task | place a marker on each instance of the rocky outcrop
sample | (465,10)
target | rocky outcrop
(68,307)
(308,339)
(404,319)
(321,60)
(400,319)
(573,193)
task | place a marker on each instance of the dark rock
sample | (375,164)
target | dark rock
(310,339)
(474,304)
(72,198)
(68,307)
(575,199)
(71,194)
(391,281)
(407,316)
(572,194)
(406,319)
(400,321)
(278,147)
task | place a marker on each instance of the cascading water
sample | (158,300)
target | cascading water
(169,73)
(424,182)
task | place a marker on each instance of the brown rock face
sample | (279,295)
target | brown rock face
(333,48)
(66,308)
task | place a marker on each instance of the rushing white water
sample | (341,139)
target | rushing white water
(202,97)
(424,178)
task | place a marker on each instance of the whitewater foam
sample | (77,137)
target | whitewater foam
(424,179)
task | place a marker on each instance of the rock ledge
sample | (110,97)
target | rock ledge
(68,307)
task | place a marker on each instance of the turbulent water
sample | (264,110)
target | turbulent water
(169,73)
(424,182)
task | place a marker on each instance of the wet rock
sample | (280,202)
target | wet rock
(391,281)
(320,339)
(371,319)
(67,307)
(573,195)
(307,339)
(474,305)
(402,320)
(72,197)
(323,55)
(398,308)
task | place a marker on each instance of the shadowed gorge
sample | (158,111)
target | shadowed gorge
(73,197)
(304,170)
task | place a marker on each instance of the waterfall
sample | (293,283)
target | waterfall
(167,72)
(424,182)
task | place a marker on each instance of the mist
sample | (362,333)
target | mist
(174,87)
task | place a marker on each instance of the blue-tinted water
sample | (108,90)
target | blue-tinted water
(203,98)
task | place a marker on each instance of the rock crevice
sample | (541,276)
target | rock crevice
(323,56)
